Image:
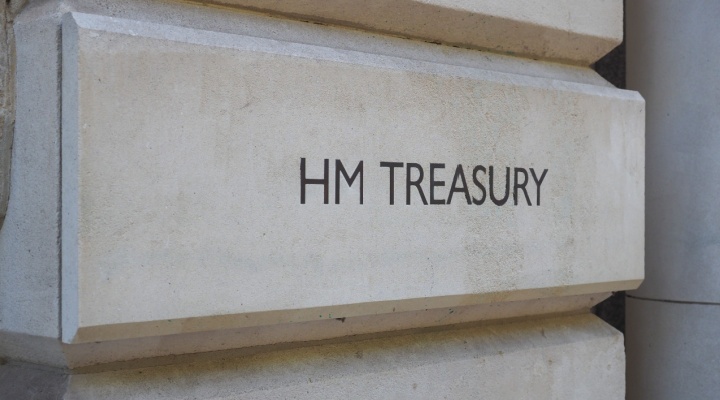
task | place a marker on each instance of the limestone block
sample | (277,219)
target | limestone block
(30,234)
(569,30)
(154,350)
(183,167)
(577,357)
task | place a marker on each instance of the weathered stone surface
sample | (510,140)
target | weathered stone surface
(159,350)
(5,114)
(29,247)
(8,9)
(570,30)
(29,237)
(181,183)
(154,268)
(31,382)
(576,357)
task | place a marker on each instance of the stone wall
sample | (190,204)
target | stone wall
(263,199)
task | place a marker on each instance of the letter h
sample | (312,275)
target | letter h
(325,181)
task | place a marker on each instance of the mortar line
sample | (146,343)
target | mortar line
(702,303)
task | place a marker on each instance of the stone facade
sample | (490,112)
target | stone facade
(257,199)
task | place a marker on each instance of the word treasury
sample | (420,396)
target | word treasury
(434,184)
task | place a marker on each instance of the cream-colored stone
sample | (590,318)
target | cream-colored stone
(572,30)
(428,109)
(28,253)
(181,183)
(576,357)
(221,19)
(156,349)
(29,250)
(556,358)
(163,349)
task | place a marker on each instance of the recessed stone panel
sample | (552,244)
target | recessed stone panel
(213,181)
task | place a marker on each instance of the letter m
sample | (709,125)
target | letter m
(340,169)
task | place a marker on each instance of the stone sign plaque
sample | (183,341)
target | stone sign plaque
(217,180)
